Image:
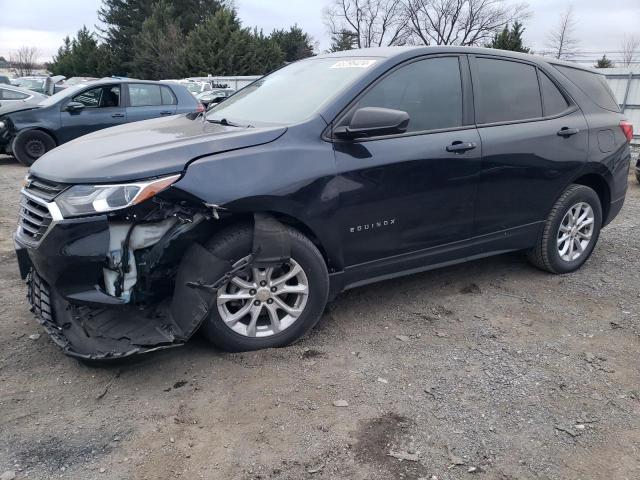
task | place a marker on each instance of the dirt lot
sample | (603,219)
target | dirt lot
(491,370)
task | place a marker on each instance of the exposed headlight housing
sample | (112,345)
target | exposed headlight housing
(2,125)
(82,200)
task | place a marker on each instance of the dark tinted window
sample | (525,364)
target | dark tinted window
(553,100)
(102,97)
(143,95)
(593,85)
(167,96)
(430,91)
(506,91)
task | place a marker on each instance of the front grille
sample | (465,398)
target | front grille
(34,216)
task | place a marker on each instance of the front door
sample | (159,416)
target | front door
(102,109)
(409,192)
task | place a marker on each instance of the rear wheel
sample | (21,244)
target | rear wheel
(29,145)
(570,233)
(266,307)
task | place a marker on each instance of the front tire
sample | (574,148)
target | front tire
(570,233)
(266,307)
(29,145)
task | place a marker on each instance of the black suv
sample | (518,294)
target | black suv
(330,173)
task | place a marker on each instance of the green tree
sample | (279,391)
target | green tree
(123,19)
(79,57)
(344,40)
(159,47)
(604,62)
(220,46)
(294,43)
(510,39)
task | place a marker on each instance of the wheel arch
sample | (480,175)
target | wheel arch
(42,129)
(598,183)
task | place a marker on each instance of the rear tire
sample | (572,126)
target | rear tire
(638,176)
(234,244)
(29,145)
(570,233)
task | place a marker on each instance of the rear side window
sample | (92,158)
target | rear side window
(168,98)
(553,100)
(593,85)
(6,94)
(430,91)
(506,91)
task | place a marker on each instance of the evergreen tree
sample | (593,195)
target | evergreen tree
(159,47)
(79,57)
(123,21)
(345,40)
(509,39)
(220,46)
(604,62)
(294,43)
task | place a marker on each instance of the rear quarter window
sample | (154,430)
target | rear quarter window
(592,84)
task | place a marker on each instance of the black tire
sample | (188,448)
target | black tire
(236,243)
(638,176)
(29,145)
(545,254)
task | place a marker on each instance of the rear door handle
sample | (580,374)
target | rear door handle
(567,132)
(460,147)
(118,115)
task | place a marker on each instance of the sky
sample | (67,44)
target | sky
(601,24)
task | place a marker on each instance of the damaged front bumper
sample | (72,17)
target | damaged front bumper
(90,331)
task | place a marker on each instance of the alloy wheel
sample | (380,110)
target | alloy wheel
(575,231)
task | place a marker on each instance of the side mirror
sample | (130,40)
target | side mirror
(374,121)
(74,107)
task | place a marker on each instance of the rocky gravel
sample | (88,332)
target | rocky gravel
(489,370)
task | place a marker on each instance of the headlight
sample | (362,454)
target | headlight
(2,125)
(92,199)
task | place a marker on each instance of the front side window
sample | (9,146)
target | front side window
(506,91)
(294,93)
(143,95)
(99,97)
(430,91)
(6,94)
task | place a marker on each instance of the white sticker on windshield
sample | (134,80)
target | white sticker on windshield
(354,63)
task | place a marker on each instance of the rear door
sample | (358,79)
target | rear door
(102,109)
(534,138)
(407,192)
(148,100)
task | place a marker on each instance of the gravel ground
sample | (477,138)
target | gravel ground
(490,369)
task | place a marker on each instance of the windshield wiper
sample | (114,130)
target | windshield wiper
(227,123)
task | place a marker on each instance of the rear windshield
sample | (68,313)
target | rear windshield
(593,85)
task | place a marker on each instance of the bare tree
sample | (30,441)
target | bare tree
(630,47)
(372,23)
(460,22)
(562,39)
(24,60)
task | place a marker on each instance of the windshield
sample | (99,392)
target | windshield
(56,97)
(293,93)
(36,85)
(193,87)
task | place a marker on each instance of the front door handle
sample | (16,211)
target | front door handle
(460,147)
(567,132)
(166,112)
(118,115)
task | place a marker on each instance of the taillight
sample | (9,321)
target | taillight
(627,129)
(200,108)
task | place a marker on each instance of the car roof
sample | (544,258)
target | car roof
(107,80)
(405,52)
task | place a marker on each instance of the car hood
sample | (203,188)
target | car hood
(17,106)
(145,149)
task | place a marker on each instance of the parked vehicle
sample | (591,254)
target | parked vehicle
(197,87)
(16,98)
(4,80)
(32,131)
(330,173)
(214,96)
(40,83)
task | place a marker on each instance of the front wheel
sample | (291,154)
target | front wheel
(29,145)
(266,307)
(570,233)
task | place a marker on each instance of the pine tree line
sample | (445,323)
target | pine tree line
(160,39)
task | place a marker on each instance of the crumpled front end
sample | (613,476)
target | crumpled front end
(114,285)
